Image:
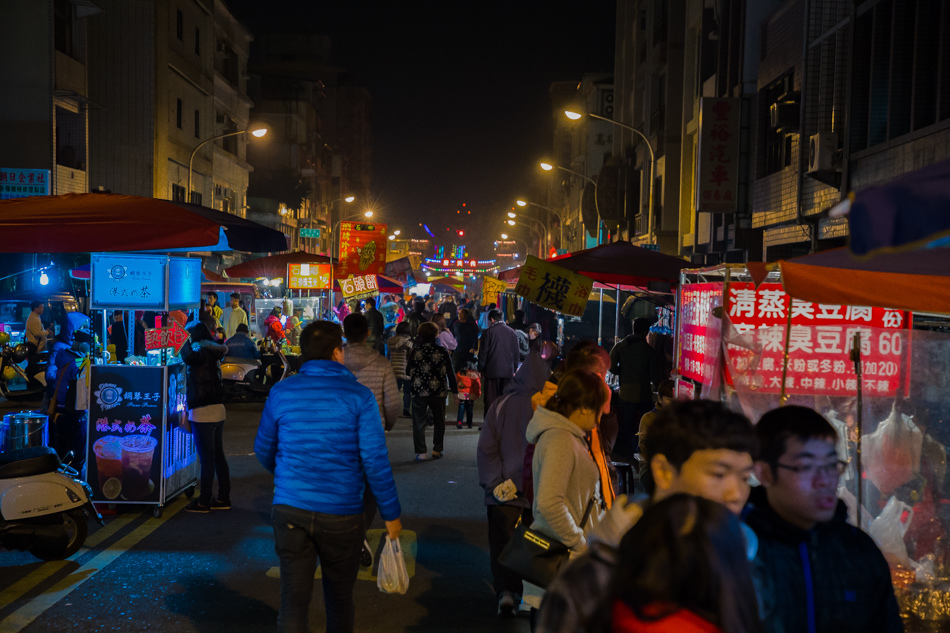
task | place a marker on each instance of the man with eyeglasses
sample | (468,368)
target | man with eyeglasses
(814,572)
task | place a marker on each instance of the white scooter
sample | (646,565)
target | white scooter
(250,379)
(44,505)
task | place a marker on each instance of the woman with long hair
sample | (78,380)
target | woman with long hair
(446,338)
(683,568)
(567,496)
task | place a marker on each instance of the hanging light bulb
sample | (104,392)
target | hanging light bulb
(44,278)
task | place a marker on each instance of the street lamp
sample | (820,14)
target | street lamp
(257,133)
(560,223)
(536,232)
(366,214)
(574,116)
(549,166)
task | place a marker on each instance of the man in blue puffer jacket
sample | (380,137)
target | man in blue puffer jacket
(320,448)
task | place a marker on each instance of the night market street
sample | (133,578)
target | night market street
(218,572)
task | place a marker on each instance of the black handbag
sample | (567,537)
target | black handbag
(535,556)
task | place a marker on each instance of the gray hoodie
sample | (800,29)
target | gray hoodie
(373,371)
(565,478)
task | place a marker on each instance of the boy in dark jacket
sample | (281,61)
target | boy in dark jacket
(813,571)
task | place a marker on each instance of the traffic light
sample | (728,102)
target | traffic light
(461,233)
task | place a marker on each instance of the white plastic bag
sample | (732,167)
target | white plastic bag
(392,576)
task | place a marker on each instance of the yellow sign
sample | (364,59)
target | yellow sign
(309,276)
(359,287)
(553,287)
(490,289)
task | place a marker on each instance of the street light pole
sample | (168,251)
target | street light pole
(257,133)
(536,232)
(560,223)
(575,115)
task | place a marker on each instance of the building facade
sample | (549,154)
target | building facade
(45,105)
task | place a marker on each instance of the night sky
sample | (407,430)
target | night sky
(461,110)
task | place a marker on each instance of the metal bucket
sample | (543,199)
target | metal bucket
(23,430)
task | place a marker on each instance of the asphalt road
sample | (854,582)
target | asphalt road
(218,572)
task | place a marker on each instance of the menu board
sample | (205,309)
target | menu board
(122,281)
(308,276)
(126,410)
(697,302)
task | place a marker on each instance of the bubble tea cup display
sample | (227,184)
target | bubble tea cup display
(137,452)
(108,451)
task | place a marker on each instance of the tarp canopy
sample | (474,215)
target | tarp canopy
(911,280)
(274,265)
(88,222)
(448,284)
(617,263)
(908,212)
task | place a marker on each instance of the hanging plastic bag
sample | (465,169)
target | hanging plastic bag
(392,576)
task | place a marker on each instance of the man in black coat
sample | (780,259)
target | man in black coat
(498,356)
(813,571)
(376,323)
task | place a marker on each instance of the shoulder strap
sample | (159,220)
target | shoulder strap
(590,507)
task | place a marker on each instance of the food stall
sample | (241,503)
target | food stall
(881,376)
(136,451)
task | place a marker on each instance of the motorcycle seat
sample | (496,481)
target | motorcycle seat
(238,360)
(24,462)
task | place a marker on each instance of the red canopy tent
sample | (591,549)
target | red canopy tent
(275,265)
(86,222)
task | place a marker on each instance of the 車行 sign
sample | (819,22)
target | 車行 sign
(553,287)
(718,155)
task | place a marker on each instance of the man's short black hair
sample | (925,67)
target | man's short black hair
(370,303)
(214,295)
(494,315)
(236,296)
(242,327)
(355,328)
(687,426)
(319,340)
(641,325)
(35,304)
(778,425)
(519,315)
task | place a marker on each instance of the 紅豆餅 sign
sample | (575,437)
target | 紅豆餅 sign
(362,249)
(819,342)
(308,276)
(553,287)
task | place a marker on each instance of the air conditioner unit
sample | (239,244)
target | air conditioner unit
(822,148)
(784,116)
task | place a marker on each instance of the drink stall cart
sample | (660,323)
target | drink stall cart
(136,451)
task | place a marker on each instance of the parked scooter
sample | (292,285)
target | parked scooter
(251,379)
(20,384)
(44,505)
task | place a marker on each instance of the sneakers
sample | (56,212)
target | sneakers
(507,606)
(197,506)
(459,426)
(436,455)
(421,457)
(366,556)
(220,504)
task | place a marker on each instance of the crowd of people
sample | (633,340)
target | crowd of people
(704,549)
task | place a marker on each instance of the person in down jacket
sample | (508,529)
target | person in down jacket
(399,346)
(75,321)
(322,437)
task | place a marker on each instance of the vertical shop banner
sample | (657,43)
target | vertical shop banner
(359,287)
(697,302)
(490,289)
(308,276)
(362,249)
(718,164)
(553,287)
(180,458)
(819,343)
(126,408)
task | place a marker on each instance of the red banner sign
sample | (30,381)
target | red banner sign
(362,249)
(819,342)
(172,336)
(696,305)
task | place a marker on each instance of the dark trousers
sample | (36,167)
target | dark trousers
(628,425)
(501,526)
(406,396)
(303,537)
(494,388)
(369,507)
(466,409)
(67,432)
(210,446)
(421,404)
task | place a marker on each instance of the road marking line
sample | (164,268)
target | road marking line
(22,617)
(26,584)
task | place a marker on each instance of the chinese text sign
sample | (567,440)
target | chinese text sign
(718,160)
(490,289)
(362,249)
(697,302)
(308,276)
(553,287)
(20,183)
(359,287)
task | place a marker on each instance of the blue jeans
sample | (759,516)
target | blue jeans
(303,537)
(466,410)
(210,447)
(406,396)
